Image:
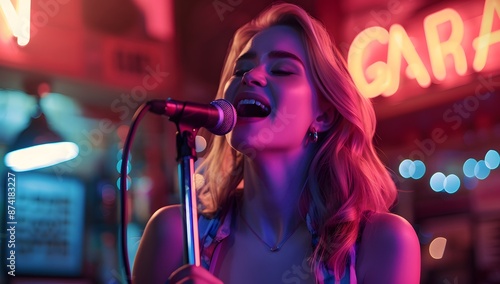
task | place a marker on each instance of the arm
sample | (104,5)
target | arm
(389,251)
(161,248)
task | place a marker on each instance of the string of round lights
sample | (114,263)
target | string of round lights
(472,170)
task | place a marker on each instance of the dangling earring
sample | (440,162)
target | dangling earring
(313,134)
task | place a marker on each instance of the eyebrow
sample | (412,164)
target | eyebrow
(275,54)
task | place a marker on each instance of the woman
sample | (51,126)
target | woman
(296,192)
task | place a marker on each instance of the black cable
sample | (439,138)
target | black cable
(138,115)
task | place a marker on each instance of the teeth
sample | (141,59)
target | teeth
(253,102)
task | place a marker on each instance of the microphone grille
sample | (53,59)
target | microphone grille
(228,119)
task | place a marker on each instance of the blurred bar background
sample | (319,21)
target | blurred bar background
(83,67)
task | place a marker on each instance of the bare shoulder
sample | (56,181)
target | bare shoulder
(383,227)
(160,249)
(165,224)
(389,251)
(167,216)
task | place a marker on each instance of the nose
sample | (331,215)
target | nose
(254,77)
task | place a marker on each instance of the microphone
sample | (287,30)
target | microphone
(218,117)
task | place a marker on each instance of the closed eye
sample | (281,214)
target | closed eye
(281,72)
(239,72)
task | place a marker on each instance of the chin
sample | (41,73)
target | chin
(239,141)
(237,138)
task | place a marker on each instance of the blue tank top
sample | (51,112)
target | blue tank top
(214,231)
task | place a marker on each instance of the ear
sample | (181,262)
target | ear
(325,119)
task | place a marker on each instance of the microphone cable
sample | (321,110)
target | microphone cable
(138,115)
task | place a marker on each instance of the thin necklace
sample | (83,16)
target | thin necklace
(276,247)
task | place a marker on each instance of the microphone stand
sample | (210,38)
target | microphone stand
(186,156)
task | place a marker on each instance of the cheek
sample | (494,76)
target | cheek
(297,105)
(230,89)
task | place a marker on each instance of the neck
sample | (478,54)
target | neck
(273,186)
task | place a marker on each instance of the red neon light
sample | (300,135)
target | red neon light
(18,21)
(383,77)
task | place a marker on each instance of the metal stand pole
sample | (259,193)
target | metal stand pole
(186,156)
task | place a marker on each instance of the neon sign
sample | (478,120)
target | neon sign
(383,77)
(18,21)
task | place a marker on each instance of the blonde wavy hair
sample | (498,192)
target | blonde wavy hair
(346,177)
